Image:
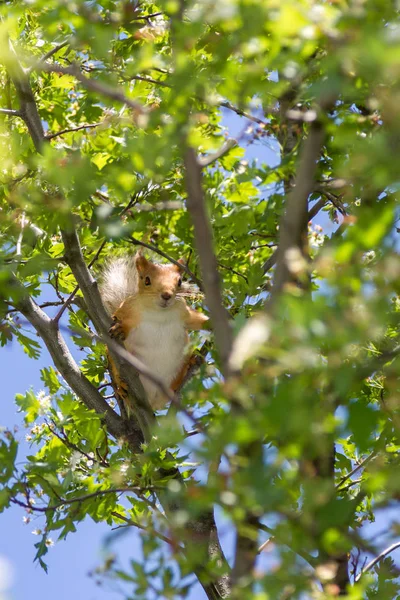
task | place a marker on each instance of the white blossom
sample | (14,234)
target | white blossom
(44,401)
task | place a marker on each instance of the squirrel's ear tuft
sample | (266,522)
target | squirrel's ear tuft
(182,262)
(141,263)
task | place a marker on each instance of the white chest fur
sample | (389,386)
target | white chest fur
(159,342)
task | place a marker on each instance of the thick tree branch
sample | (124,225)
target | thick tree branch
(293,228)
(27,105)
(102,322)
(67,366)
(314,210)
(70,298)
(246,549)
(208,262)
(141,368)
(291,253)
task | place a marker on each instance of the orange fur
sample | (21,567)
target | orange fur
(153,323)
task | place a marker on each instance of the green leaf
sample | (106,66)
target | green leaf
(50,379)
(28,404)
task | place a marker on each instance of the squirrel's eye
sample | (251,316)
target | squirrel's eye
(179,282)
(147,281)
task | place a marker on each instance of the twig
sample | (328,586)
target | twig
(223,104)
(350,485)
(206,161)
(150,80)
(232,270)
(265,544)
(242,113)
(104,385)
(53,51)
(9,112)
(168,205)
(68,501)
(146,17)
(44,305)
(314,210)
(157,250)
(378,558)
(259,246)
(131,523)
(23,222)
(359,466)
(270,262)
(51,136)
(93,85)
(68,302)
(142,369)
(64,439)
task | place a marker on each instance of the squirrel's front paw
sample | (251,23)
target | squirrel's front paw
(116,330)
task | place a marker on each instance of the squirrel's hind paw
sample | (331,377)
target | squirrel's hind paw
(116,330)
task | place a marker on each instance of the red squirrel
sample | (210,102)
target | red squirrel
(151,316)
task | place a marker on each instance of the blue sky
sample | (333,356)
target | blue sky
(71,561)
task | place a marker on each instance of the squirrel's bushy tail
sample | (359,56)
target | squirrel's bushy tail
(118,281)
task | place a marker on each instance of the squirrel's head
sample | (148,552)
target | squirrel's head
(160,283)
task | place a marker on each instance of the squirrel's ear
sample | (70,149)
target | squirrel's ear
(141,263)
(182,262)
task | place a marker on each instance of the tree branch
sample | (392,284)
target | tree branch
(132,523)
(377,559)
(314,210)
(51,136)
(206,161)
(53,51)
(157,250)
(359,466)
(27,105)
(70,298)
(247,549)
(167,205)
(64,362)
(208,262)
(242,113)
(102,323)
(293,228)
(10,113)
(93,85)
(67,501)
(141,368)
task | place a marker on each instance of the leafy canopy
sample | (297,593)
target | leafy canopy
(121,90)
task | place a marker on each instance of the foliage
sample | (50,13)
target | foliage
(123,89)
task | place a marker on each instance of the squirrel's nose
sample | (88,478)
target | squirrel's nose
(166,296)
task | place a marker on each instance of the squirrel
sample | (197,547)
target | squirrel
(151,317)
